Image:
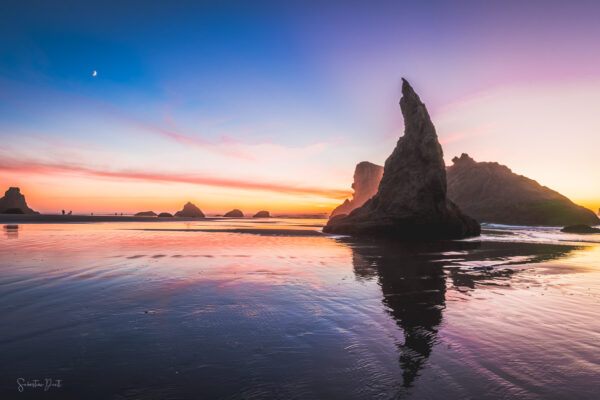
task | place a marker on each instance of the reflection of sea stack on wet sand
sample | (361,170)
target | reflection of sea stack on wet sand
(414,279)
(11,231)
(418,314)
(411,200)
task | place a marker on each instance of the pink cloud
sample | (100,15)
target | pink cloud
(468,133)
(225,145)
(47,168)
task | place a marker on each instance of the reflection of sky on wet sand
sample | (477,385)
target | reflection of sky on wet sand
(165,312)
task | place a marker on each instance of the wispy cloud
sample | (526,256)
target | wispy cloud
(467,133)
(225,144)
(222,142)
(46,168)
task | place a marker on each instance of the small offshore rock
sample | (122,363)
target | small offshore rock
(190,211)
(580,229)
(234,214)
(145,214)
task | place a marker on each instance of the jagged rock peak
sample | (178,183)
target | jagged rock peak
(463,159)
(416,117)
(411,199)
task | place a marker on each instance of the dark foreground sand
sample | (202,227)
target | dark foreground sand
(159,311)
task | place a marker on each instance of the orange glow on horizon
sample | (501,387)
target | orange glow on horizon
(82,195)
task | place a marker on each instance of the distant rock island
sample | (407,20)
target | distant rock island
(262,214)
(491,192)
(366,181)
(14,202)
(234,214)
(165,215)
(411,201)
(145,214)
(190,211)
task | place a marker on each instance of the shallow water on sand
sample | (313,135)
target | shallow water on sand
(272,308)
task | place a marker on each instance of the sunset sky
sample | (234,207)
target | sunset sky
(270,105)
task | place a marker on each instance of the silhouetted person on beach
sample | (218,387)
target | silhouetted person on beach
(63,212)
(70,212)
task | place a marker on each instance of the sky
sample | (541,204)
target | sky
(132,106)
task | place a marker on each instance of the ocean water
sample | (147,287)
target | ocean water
(244,309)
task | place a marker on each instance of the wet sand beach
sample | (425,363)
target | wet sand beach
(201,309)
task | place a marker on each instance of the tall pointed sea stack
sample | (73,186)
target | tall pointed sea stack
(411,201)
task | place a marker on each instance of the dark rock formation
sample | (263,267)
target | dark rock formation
(14,202)
(190,211)
(335,219)
(262,214)
(580,229)
(411,200)
(146,214)
(234,214)
(366,181)
(492,193)
(13,211)
(165,215)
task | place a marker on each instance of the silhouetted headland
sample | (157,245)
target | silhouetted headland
(411,201)
(491,192)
